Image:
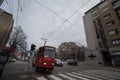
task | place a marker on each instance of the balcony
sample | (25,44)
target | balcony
(116,4)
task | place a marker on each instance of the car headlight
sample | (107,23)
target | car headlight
(45,63)
(53,64)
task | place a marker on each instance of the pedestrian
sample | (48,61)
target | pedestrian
(30,55)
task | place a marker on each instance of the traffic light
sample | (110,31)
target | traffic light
(33,47)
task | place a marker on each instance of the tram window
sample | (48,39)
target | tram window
(49,53)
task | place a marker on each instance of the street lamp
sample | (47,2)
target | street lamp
(45,40)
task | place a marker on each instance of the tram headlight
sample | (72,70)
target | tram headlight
(45,63)
(53,64)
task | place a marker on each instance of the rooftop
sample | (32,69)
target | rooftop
(95,6)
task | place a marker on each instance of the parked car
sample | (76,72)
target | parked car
(58,62)
(72,62)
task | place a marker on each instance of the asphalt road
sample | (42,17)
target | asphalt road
(15,71)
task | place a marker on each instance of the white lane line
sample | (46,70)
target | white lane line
(67,77)
(104,74)
(98,76)
(86,76)
(54,77)
(41,78)
(77,76)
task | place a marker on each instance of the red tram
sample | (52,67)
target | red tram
(44,58)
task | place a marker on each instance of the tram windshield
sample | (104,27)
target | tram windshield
(49,53)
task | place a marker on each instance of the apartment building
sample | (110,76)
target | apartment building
(67,49)
(102,28)
(71,50)
(6,26)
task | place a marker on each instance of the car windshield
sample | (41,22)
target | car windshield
(58,60)
(49,53)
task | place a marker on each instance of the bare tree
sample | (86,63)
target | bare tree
(18,40)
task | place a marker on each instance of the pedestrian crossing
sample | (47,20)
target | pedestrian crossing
(67,77)
(41,78)
(84,75)
(54,77)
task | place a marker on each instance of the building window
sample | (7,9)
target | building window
(94,15)
(116,53)
(107,16)
(116,41)
(100,45)
(105,9)
(110,23)
(118,11)
(93,11)
(116,3)
(103,5)
(112,32)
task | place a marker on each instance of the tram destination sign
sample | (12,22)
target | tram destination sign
(50,48)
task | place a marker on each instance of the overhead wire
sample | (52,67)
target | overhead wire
(48,9)
(8,4)
(17,13)
(12,6)
(65,20)
(53,13)
(23,16)
(78,10)
(25,19)
(22,12)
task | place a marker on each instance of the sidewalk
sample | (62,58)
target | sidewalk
(19,76)
(15,71)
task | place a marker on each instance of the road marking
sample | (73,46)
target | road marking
(78,76)
(105,73)
(41,78)
(86,76)
(98,76)
(66,77)
(54,77)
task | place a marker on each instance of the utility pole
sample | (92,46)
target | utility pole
(45,40)
(76,52)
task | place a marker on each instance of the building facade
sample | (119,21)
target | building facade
(102,27)
(6,26)
(70,50)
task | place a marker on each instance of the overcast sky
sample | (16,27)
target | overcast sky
(43,19)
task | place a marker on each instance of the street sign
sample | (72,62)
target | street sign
(92,56)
